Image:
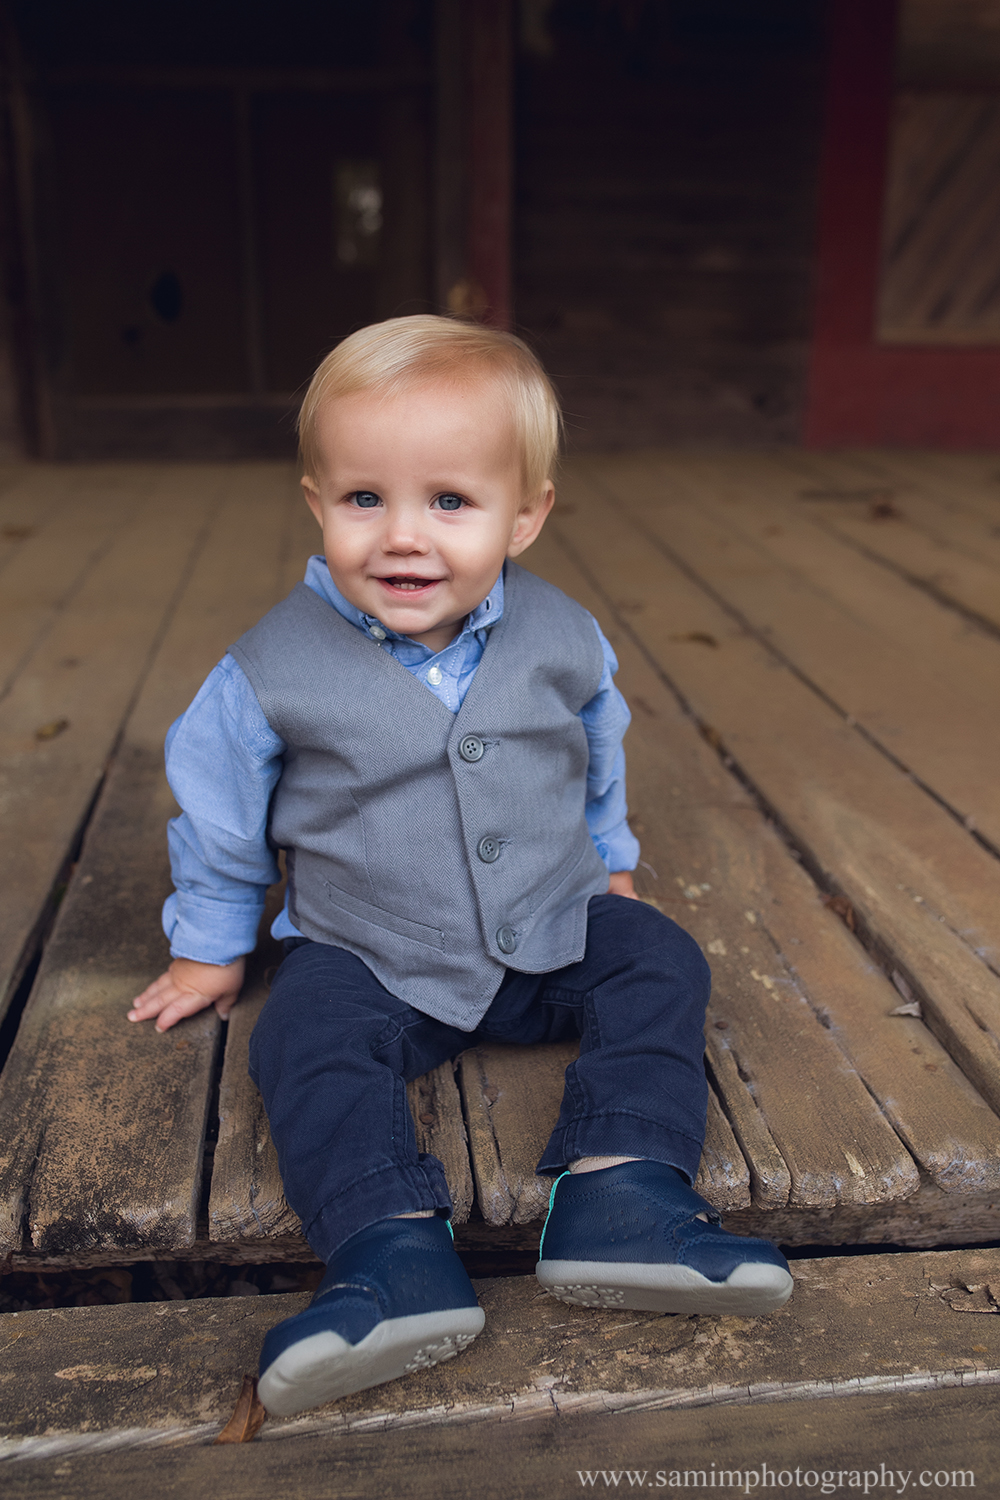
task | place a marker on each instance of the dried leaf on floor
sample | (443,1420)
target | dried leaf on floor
(696,637)
(51,729)
(248,1416)
(843,909)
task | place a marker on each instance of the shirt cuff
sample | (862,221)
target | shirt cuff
(619,847)
(210,932)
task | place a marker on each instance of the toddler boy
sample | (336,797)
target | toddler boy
(433,737)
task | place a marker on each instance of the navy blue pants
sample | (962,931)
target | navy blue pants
(332,1052)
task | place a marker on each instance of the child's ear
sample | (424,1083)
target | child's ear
(311,493)
(531,519)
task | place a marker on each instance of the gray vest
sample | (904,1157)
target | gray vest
(440,848)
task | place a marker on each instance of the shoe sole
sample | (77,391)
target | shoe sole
(748,1292)
(324,1366)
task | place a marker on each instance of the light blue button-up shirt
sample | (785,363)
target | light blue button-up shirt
(224,761)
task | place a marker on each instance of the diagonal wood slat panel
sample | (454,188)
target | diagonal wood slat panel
(941,238)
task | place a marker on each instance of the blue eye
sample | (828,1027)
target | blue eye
(365,499)
(450,502)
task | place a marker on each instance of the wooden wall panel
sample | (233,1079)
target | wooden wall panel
(666,161)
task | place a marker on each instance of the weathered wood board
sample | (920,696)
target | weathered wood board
(874,1359)
(864,639)
(102,1122)
(964,482)
(512,1096)
(921,887)
(73,675)
(174,1368)
(907,525)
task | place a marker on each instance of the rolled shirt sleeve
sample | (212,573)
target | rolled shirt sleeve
(605,719)
(223,763)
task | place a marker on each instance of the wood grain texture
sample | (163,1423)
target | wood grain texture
(512,1097)
(971,478)
(75,682)
(723,1175)
(171,1370)
(865,639)
(436,1106)
(246,1200)
(967,485)
(927,893)
(868,1363)
(102,1121)
(54,528)
(530,1460)
(950,553)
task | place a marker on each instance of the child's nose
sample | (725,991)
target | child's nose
(404,535)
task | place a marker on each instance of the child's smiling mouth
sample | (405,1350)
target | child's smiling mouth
(408,583)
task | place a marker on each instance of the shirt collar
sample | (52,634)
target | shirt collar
(483,617)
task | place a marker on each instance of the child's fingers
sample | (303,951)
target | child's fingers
(153,998)
(170,999)
(184,1003)
(153,989)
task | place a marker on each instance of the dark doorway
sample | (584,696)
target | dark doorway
(220,192)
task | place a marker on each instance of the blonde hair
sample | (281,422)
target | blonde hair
(392,357)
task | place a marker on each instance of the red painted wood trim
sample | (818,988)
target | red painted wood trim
(490,151)
(858,391)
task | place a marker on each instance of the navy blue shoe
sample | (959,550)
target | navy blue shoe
(395,1298)
(629,1236)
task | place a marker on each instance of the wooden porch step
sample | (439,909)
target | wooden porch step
(107,1385)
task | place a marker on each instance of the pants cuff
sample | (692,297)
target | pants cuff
(620,1135)
(397,1190)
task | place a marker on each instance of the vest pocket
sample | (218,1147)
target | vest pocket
(383,921)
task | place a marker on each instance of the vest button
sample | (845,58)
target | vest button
(506,940)
(488,850)
(471,749)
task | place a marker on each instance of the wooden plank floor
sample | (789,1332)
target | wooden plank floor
(811,647)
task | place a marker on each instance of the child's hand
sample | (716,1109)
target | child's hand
(620,884)
(186,988)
